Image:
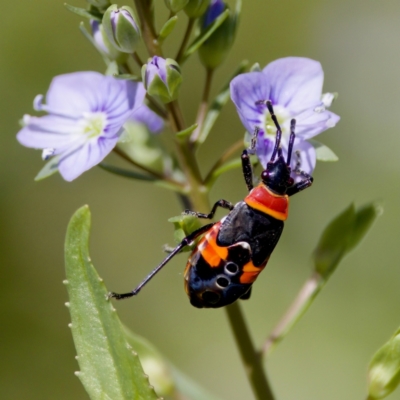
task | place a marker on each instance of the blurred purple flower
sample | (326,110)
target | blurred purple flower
(86,112)
(144,115)
(214,10)
(294,86)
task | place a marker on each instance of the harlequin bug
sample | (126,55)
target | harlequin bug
(233,251)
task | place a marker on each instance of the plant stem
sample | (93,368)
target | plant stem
(137,59)
(153,173)
(224,157)
(202,111)
(197,192)
(296,310)
(185,39)
(251,360)
(148,31)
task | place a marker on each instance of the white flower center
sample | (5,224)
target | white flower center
(283,116)
(93,124)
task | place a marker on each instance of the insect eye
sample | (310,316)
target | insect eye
(210,297)
(231,268)
(222,282)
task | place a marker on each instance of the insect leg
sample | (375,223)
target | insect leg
(305,183)
(185,242)
(299,186)
(247,170)
(220,203)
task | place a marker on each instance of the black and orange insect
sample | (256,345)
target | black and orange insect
(233,251)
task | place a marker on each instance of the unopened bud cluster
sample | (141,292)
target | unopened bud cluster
(121,28)
(162,78)
(215,49)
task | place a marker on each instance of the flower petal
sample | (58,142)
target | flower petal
(246,90)
(75,93)
(296,82)
(121,98)
(264,148)
(311,123)
(91,153)
(144,115)
(47,131)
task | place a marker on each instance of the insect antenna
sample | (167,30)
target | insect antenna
(253,141)
(291,140)
(278,130)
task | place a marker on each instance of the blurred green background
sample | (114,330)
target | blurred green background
(326,355)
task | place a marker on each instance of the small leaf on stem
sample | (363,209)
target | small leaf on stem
(341,236)
(84,13)
(324,153)
(384,369)
(167,28)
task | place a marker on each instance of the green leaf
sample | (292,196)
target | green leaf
(189,388)
(184,225)
(163,374)
(167,28)
(232,164)
(186,132)
(365,216)
(50,168)
(218,103)
(324,153)
(126,173)
(204,36)
(109,368)
(84,13)
(341,236)
(384,369)
(128,77)
(153,363)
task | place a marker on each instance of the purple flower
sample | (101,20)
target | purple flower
(214,10)
(103,44)
(144,115)
(294,86)
(162,78)
(86,112)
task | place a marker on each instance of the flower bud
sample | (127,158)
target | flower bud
(162,78)
(215,49)
(384,369)
(175,5)
(196,8)
(103,44)
(121,28)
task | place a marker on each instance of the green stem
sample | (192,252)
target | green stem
(198,193)
(153,173)
(201,113)
(224,157)
(148,30)
(185,40)
(251,360)
(296,310)
(138,60)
